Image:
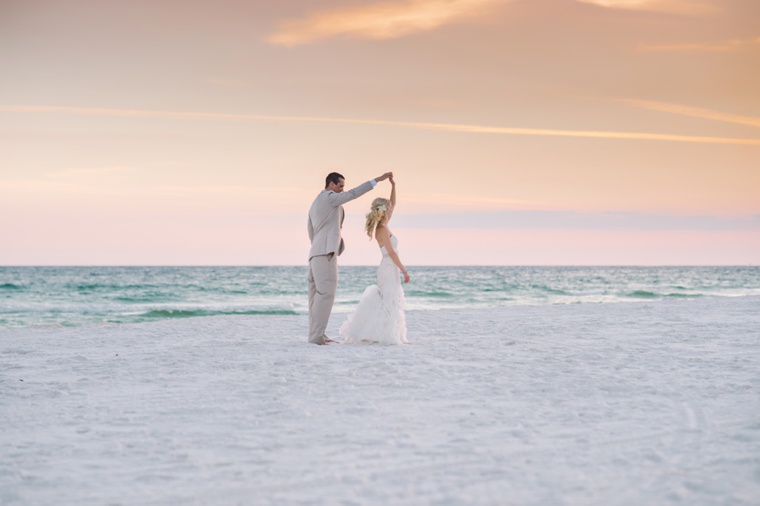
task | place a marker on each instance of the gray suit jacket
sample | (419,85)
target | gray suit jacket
(326,219)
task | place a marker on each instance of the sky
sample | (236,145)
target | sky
(520,132)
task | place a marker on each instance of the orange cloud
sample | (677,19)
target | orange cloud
(383,20)
(449,127)
(695,112)
(690,7)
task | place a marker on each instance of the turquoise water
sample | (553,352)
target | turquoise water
(73,296)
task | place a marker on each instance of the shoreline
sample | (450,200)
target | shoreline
(341,309)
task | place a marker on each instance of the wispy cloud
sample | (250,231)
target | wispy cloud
(689,7)
(446,127)
(731,45)
(695,112)
(429,203)
(89,172)
(620,4)
(396,18)
(573,220)
(382,20)
(138,186)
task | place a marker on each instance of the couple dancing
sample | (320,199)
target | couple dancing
(379,317)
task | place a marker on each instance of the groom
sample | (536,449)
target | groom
(325,221)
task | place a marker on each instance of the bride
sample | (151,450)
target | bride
(379,317)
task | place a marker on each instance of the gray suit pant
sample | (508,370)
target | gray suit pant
(323,283)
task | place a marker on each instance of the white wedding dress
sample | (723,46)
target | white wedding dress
(379,317)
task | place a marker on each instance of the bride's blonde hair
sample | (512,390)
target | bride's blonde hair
(377,212)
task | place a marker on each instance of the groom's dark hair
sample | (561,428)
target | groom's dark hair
(334,178)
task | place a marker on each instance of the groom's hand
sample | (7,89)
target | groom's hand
(384,177)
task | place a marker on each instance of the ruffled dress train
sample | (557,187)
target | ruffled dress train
(379,317)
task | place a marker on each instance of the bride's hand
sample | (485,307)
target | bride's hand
(406,277)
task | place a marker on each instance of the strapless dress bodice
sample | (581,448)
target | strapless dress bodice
(394,242)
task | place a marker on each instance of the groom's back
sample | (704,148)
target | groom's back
(324,225)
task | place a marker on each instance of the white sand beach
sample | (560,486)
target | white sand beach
(610,404)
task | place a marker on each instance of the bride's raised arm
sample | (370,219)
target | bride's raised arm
(393,199)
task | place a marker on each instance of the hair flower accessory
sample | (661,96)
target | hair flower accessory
(382,208)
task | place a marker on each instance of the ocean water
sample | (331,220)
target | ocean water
(75,296)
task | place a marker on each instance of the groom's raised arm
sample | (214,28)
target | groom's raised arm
(337,199)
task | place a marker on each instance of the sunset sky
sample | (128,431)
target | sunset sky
(538,132)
